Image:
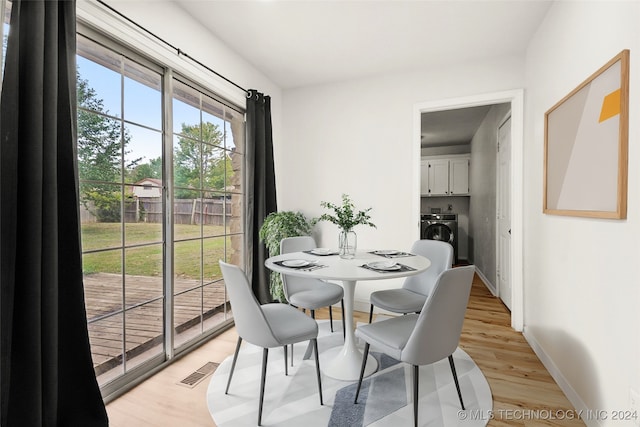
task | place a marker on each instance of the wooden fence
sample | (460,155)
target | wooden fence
(185,211)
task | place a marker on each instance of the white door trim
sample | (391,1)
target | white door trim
(499,287)
(516,98)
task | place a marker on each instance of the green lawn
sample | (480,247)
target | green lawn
(147,260)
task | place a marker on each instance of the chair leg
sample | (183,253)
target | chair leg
(313,314)
(416,378)
(371,313)
(455,378)
(364,365)
(331,318)
(315,348)
(344,331)
(265,355)
(233,364)
(286,371)
(291,354)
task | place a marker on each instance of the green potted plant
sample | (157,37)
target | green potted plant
(277,226)
(346,217)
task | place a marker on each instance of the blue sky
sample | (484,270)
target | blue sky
(142,105)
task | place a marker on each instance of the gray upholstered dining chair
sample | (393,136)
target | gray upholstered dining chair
(307,293)
(414,291)
(425,338)
(266,326)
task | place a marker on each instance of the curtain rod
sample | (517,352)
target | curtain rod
(179,51)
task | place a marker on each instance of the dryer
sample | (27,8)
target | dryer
(442,227)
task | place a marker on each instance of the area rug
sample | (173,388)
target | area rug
(385,398)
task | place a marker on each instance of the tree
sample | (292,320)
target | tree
(100,143)
(200,163)
(220,167)
(153,169)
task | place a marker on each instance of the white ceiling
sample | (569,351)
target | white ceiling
(451,127)
(309,42)
(299,43)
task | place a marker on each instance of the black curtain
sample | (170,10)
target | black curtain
(46,374)
(261,190)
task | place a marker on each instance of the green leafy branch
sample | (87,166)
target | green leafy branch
(345,216)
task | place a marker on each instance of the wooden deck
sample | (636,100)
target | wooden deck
(144,302)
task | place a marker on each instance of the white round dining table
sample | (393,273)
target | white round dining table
(344,363)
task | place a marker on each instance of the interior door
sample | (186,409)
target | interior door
(503,269)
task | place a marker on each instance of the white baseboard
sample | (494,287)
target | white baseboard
(487,282)
(362,305)
(562,382)
(365,306)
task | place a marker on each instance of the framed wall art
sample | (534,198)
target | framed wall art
(586,146)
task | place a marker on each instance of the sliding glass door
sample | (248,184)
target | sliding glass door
(161,201)
(207,207)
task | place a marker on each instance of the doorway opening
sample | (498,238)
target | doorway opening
(515,101)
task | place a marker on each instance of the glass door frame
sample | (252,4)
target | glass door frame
(133,376)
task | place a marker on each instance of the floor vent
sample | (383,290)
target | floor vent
(201,373)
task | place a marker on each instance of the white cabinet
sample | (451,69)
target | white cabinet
(444,176)
(459,176)
(439,177)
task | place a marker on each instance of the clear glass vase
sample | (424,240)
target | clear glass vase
(347,243)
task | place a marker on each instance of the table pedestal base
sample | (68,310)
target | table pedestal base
(344,363)
(340,364)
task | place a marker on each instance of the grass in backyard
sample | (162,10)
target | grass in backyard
(147,260)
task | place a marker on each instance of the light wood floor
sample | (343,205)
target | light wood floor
(524,394)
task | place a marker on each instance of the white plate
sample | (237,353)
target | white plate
(384,265)
(387,252)
(295,263)
(321,251)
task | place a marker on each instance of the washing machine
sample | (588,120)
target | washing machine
(442,227)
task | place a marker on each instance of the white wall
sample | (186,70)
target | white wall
(356,137)
(582,286)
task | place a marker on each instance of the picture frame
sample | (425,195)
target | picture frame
(586,146)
